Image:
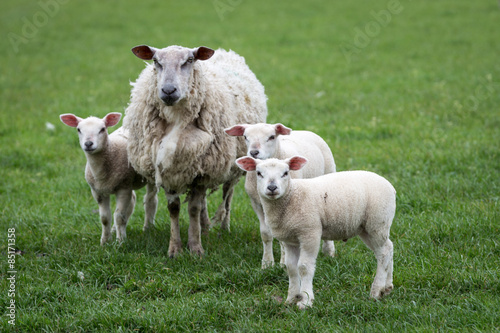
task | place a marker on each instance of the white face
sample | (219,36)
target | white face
(174,67)
(92,134)
(261,140)
(273,178)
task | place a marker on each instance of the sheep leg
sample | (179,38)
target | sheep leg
(150,206)
(291,260)
(195,206)
(224,211)
(328,248)
(383,249)
(125,203)
(104,214)
(175,245)
(282,258)
(265,234)
(307,265)
(204,218)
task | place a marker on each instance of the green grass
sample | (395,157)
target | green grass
(418,104)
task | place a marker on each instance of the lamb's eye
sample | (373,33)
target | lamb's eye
(102,130)
(79,130)
(245,137)
(259,174)
(285,174)
(272,137)
(157,64)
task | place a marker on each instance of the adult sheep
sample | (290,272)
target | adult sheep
(179,108)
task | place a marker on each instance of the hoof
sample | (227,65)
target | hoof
(267,264)
(197,250)
(303,301)
(149,227)
(378,293)
(388,290)
(174,250)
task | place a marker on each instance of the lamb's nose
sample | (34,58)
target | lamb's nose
(254,153)
(88,144)
(272,187)
(169,89)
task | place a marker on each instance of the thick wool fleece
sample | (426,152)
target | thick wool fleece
(224,91)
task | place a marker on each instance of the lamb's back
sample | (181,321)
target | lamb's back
(346,201)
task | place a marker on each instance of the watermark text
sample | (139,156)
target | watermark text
(11,273)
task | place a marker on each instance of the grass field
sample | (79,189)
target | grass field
(407,89)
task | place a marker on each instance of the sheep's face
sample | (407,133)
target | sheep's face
(273,178)
(261,139)
(92,131)
(92,134)
(273,175)
(174,68)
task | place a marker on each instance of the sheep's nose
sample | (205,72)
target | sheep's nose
(169,89)
(88,144)
(254,153)
(272,187)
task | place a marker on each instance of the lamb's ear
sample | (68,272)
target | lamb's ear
(70,119)
(282,129)
(296,162)
(144,52)
(236,130)
(246,163)
(203,53)
(112,119)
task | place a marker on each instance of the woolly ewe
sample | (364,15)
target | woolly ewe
(108,172)
(178,110)
(278,141)
(338,206)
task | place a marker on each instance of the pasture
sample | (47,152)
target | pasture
(407,89)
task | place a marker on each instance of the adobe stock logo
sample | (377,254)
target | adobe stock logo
(31,26)
(225,6)
(364,36)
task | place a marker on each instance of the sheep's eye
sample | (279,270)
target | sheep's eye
(188,61)
(285,174)
(245,137)
(272,137)
(157,64)
(79,130)
(102,130)
(259,174)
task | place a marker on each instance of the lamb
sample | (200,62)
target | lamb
(278,141)
(301,212)
(108,172)
(178,110)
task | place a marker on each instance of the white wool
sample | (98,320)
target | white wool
(277,141)
(108,172)
(336,206)
(183,147)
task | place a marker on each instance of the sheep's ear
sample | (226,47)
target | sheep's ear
(246,163)
(236,130)
(144,52)
(282,129)
(296,162)
(112,119)
(70,119)
(203,53)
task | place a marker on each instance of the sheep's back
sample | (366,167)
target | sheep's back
(312,147)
